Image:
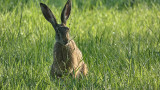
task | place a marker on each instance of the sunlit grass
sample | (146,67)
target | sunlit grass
(120,46)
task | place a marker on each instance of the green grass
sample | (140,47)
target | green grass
(120,44)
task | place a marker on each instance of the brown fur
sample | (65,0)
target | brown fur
(68,59)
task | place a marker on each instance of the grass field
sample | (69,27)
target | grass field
(120,43)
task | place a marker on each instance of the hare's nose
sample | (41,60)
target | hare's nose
(65,42)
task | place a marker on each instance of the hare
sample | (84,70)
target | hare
(67,56)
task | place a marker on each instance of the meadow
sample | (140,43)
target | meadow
(120,42)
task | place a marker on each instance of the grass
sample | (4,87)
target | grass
(120,44)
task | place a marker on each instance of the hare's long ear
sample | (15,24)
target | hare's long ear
(66,12)
(47,13)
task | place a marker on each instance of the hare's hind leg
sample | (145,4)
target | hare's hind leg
(80,71)
(84,70)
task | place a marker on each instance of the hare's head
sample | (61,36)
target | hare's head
(62,32)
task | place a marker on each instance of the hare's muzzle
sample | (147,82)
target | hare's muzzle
(65,42)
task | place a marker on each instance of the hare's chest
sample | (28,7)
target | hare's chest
(62,54)
(63,58)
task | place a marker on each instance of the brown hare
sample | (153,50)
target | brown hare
(67,56)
